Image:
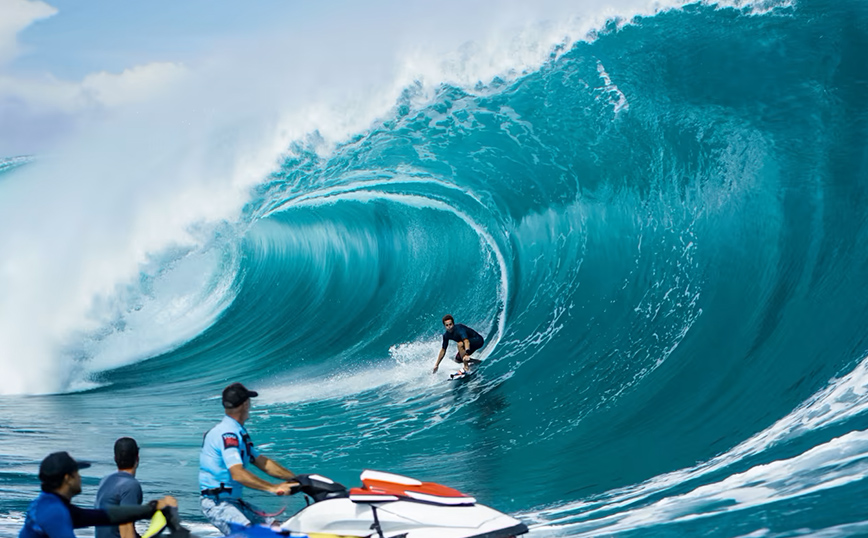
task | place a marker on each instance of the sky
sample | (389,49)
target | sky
(78,38)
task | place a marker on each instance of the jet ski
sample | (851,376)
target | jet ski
(393,506)
(387,506)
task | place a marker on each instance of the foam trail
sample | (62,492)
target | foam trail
(403,374)
(831,465)
(819,468)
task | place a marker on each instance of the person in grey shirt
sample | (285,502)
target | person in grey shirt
(120,488)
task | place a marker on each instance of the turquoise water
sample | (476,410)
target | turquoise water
(660,232)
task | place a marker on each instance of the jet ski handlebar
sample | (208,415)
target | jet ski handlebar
(318,487)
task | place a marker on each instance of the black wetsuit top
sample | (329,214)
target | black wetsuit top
(460,333)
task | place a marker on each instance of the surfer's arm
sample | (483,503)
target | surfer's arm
(272,468)
(439,358)
(466,350)
(250,480)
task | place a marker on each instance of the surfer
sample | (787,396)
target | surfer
(52,514)
(226,452)
(120,488)
(468,341)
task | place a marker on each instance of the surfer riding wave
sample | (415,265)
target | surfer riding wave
(468,341)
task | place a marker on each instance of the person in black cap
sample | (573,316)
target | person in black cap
(227,450)
(52,515)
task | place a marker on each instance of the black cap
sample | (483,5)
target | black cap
(236,394)
(57,465)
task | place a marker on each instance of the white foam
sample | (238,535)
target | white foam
(832,464)
(407,372)
(615,97)
(182,300)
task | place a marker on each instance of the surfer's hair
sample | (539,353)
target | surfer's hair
(126,452)
(448,317)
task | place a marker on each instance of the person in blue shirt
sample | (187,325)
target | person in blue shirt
(468,341)
(52,514)
(120,488)
(227,452)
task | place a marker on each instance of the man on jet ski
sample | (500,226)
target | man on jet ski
(227,450)
(468,341)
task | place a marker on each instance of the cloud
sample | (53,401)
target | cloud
(37,110)
(133,85)
(16,16)
(96,91)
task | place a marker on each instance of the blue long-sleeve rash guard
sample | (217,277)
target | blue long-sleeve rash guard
(52,516)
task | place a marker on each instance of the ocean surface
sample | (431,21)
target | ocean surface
(660,229)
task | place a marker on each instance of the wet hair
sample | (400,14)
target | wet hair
(448,317)
(126,452)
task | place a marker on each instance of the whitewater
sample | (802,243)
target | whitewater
(654,213)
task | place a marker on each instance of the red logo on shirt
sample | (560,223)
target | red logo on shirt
(230,440)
